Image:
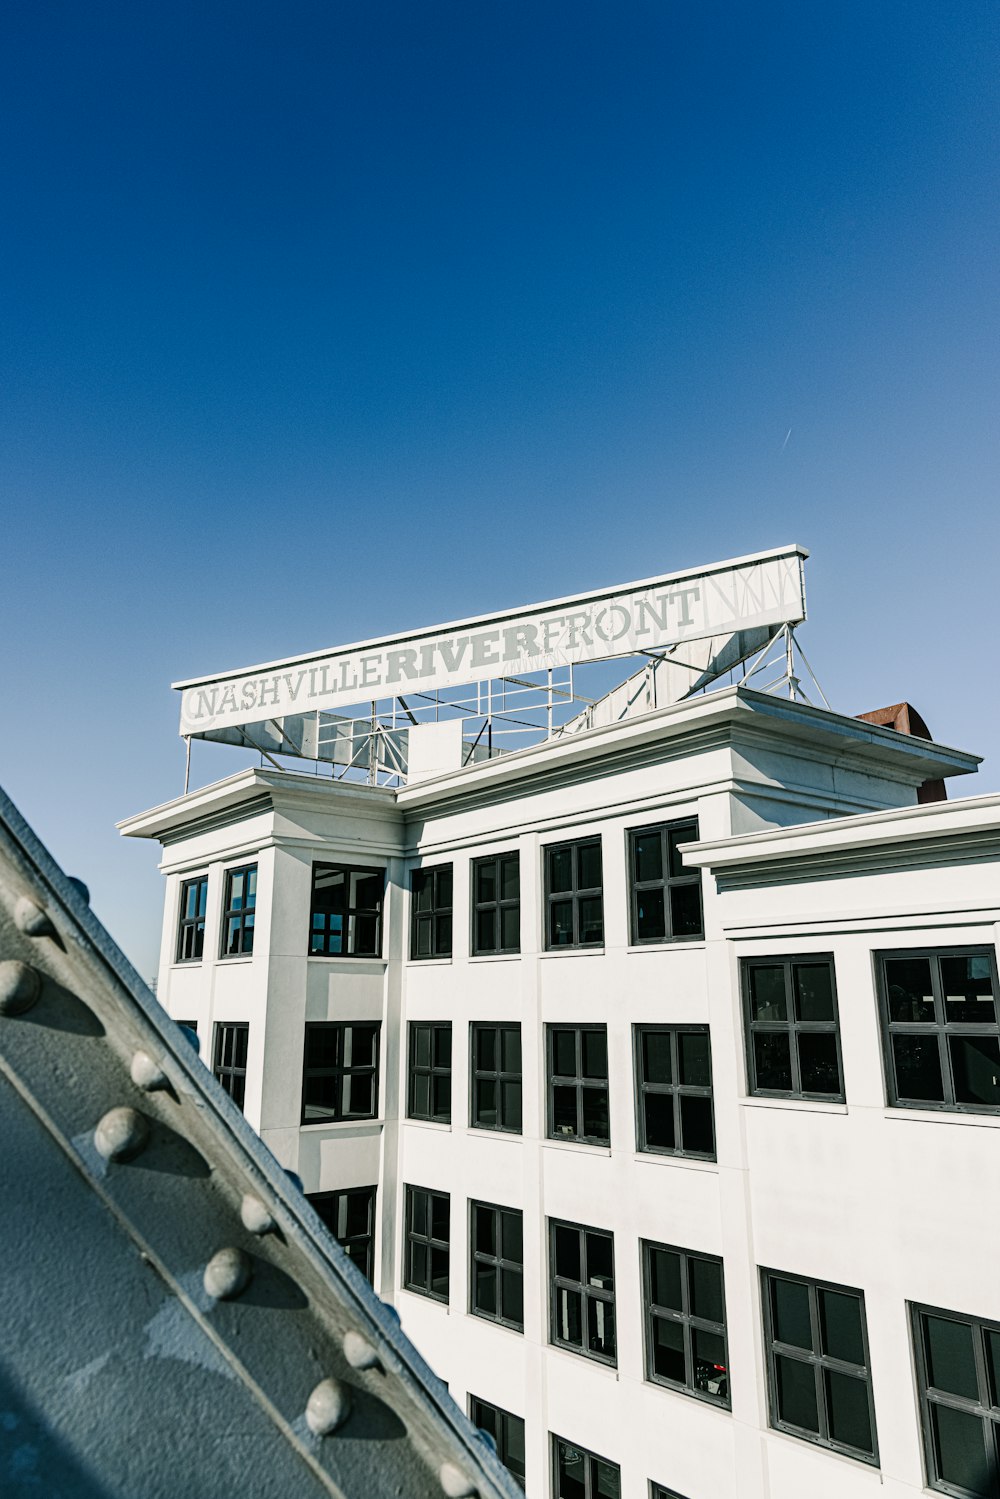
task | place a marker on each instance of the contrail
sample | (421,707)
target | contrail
(788,434)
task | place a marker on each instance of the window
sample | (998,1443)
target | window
(427,1242)
(496,904)
(673,1075)
(497,1289)
(665,895)
(657,1491)
(430,1072)
(496,1077)
(574,895)
(958,1373)
(792,1030)
(345,913)
(578,1084)
(430,914)
(229,1059)
(339,1072)
(820,1384)
(350,1217)
(506,1430)
(579,1474)
(238,914)
(939,1020)
(582,1263)
(191,926)
(685,1322)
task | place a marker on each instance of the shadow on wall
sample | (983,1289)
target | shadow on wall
(34,1462)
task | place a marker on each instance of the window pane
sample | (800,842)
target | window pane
(441,1096)
(650,921)
(772,1061)
(968,990)
(908,989)
(564,1053)
(993,1365)
(590,866)
(767,993)
(600,1261)
(561,923)
(840,1326)
(847,1410)
(485,1289)
(790,1302)
(668,1349)
(658,1116)
(697,1127)
(595,1053)
(359,1094)
(564,1120)
(695,1066)
(486,1048)
(706,1290)
(443,884)
(442,935)
(591,919)
(560,870)
(510,877)
(418,1212)
(511,1096)
(709,1355)
(486,931)
(572,1482)
(442,1046)
(510,928)
(439,1272)
(813,991)
(512,1296)
(656,1057)
(486,881)
(567,1253)
(961,1451)
(418,1262)
(513,1454)
(423,890)
(596,1121)
(647,856)
(819,1065)
(686,833)
(511,1237)
(510,1038)
(484,1235)
(918,1068)
(975,1065)
(440,1214)
(421,1041)
(951,1360)
(607,1480)
(665,1278)
(796,1392)
(601,1327)
(685,910)
(569,1316)
(420,1094)
(364,935)
(486,1102)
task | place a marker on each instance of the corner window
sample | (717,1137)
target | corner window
(496,1077)
(429,1092)
(345,912)
(578,1084)
(339,1072)
(582,1310)
(427,1249)
(229,1059)
(430,912)
(665,895)
(817,1353)
(940,1035)
(239,906)
(673,1084)
(191,924)
(958,1375)
(497,1280)
(685,1322)
(496,905)
(350,1217)
(507,1431)
(579,1474)
(792,1027)
(574,895)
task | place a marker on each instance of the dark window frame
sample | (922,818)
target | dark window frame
(574,895)
(437,913)
(941,1029)
(688,1320)
(660,1491)
(497,1075)
(501,1436)
(238,914)
(820,1362)
(412,1236)
(192,925)
(677,1090)
(590,1478)
(350,912)
(929,1396)
(433,1070)
(792,1026)
(498,906)
(577,1080)
(666,883)
(495,1261)
(326,1205)
(339,1070)
(584,1289)
(231,1076)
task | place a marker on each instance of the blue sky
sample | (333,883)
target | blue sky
(326,320)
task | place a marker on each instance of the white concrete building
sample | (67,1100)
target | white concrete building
(652,1071)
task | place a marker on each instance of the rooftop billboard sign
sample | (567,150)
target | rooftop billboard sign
(766,589)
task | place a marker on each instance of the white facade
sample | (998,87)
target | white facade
(810,842)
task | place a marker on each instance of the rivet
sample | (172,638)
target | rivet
(80,888)
(146,1073)
(295,1179)
(358,1352)
(329,1406)
(20,986)
(227,1274)
(255,1216)
(32,920)
(120,1134)
(191,1036)
(392,1311)
(454,1482)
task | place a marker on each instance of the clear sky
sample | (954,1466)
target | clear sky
(324,320)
